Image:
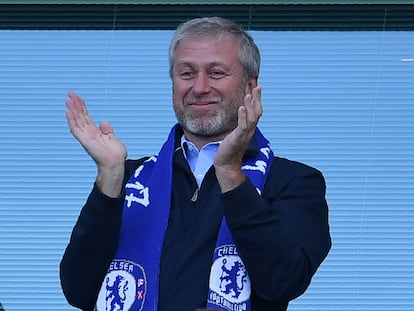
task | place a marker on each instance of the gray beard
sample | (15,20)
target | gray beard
(221,123)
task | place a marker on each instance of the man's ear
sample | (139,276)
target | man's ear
(251,84)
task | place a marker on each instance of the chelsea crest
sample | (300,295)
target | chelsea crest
(123,288)
(229,281)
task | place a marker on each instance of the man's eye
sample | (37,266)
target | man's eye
(187,75)
(217,74)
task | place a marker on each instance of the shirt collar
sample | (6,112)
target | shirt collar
(190,150)
(251,151)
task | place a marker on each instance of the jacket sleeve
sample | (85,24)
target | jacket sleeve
(282,236)
(90,250)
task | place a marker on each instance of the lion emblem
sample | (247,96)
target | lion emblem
(232,280)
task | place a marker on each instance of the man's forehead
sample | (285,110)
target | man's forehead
(219,38)
(207,51)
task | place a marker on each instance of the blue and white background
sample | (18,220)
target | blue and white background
(340,101)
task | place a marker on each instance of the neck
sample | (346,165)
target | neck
(200,140)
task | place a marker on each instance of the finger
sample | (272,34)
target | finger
(242,118)
(74,124)
(106,128)
(77,104)
(248,105)
(257,100)
(256,103)
(71,120)
(79,100)
(73,106)
(76,98)
(72,112)
(78,112)
(253,105)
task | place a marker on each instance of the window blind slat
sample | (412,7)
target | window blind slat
(340,101)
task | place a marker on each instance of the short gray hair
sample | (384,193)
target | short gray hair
(249,54)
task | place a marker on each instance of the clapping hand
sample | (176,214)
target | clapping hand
(228,159)
(101,144)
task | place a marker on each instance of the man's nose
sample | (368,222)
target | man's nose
(201,83)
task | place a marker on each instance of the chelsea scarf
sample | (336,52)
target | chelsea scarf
(131,282)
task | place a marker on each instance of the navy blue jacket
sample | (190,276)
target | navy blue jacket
(282,236)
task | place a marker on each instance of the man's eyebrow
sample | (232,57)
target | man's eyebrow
(221,64)
(211,64)
(183,63)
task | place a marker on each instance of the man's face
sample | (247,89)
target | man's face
(208,86)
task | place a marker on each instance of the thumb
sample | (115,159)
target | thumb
(106,128)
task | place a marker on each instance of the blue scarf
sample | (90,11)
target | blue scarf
(131,283)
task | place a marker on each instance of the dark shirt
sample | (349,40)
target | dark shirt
(282,236)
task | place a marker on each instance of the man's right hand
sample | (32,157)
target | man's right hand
(106,150)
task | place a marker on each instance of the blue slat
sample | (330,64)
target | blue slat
(340,101)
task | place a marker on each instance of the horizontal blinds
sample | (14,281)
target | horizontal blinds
(45,175)
(343,102)
(156,2)
(251,16)
(339,101)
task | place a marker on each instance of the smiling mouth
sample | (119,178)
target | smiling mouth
(203,103)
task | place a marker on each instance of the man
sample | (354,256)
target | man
(215,220)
